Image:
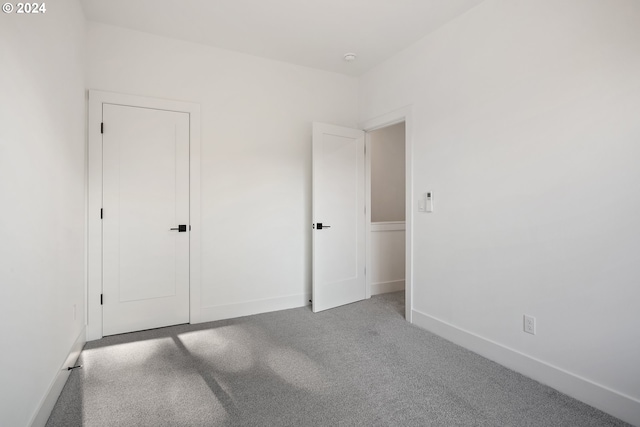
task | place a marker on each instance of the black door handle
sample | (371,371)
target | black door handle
(319,226)
(181,228)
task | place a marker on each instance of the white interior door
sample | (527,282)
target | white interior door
(338,216)
(145,195)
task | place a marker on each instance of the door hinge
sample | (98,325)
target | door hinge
(100,299)
(100,213)
(102,127)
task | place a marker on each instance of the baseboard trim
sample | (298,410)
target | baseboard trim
(385,287)
(601,397)
(49,400)
(230,311)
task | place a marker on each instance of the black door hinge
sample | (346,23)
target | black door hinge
(102,127)
(100,213)
(100,299)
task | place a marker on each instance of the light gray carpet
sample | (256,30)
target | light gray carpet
(358,365)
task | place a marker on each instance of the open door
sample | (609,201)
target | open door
(338,213)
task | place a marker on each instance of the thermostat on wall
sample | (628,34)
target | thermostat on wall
(429,201)
(425,203)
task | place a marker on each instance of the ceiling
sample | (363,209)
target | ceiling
(306,32)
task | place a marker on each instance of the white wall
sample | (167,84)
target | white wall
(387,173)
(526,127)
(256,156)
(42,189)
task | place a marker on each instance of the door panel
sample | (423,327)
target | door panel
(338,202)
(145,194)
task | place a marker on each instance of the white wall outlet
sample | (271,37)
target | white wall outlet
(429,198)
(530,324)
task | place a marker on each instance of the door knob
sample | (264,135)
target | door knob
(319,226)
(181,228)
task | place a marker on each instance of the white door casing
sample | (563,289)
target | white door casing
(145,194)
(97,100)
(401,115)
(338,199)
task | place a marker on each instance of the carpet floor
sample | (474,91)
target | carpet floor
(357,365)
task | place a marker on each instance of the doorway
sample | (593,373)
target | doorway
(403,115)
(338,151)
(386,205)
(143,213)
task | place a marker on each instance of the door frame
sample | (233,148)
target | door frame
(394,117)
(94,200)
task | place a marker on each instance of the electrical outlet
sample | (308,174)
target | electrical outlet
(530,324)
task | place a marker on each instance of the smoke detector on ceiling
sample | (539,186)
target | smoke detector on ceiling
(349,57)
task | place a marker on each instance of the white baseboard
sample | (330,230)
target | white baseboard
(229,311)
(384,287)
(49,400)
(610,401)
